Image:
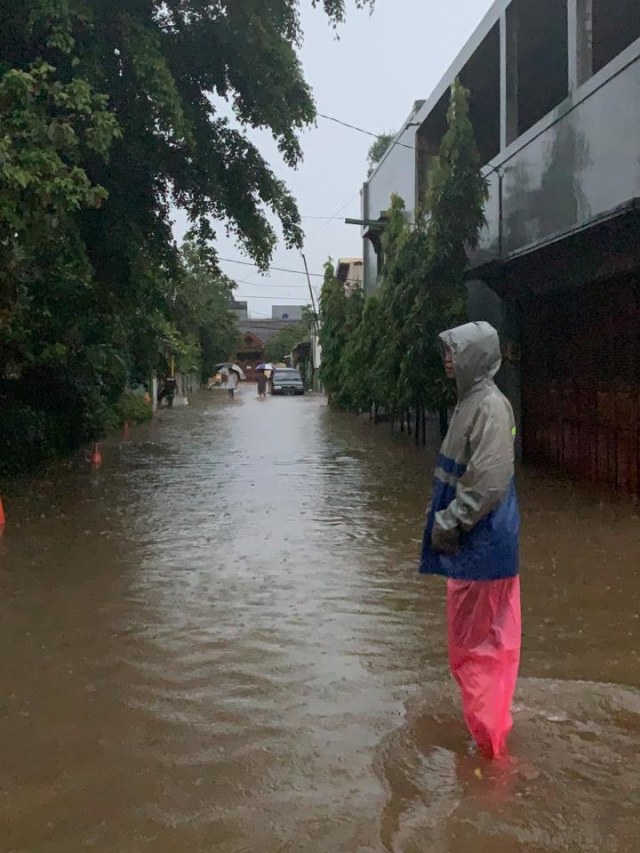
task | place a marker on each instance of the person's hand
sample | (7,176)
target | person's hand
(445,542)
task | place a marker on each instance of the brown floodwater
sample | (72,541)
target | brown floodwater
(219,642)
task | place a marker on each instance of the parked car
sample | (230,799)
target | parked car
(286,381)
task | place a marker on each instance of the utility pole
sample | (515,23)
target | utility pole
(314,337)
(313,299)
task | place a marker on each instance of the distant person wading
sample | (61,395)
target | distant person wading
(262,385)
(232,383)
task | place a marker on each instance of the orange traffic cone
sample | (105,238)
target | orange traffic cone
(2,519)
(96,456)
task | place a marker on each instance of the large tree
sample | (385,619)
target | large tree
(112,114)
(200,309)
(333,332)
(340,316)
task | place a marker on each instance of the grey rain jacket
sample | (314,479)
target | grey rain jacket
(473,523)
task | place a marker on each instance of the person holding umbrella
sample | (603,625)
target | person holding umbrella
(232,373)
(232,383)
(264,374)
(262,385)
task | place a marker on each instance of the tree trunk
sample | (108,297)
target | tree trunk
(417,425)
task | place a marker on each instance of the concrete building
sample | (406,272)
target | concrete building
(555,102)
(240,310)
(350,271)
(286,312)
(394,174)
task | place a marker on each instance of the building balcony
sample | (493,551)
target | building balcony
(573,169)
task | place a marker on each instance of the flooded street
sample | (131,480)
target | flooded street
(219,642)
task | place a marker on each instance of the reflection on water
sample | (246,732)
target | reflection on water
(219,642)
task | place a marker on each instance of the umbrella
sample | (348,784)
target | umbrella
(226,366)
(267,366)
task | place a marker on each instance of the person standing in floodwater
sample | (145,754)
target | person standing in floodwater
(472,536)
(168,391)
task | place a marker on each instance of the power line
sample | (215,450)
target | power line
(330,218)
(276,269)
(262,284)
(337,218)
(288,287)
(285,286)
(361,130)
(268,297)
(334,217)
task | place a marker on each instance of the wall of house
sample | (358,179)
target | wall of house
(395,174)
(554,97)
(568,158)
(371,266)
(483,303)
(286,312)
(581,382)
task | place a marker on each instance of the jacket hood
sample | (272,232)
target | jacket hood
(476,353)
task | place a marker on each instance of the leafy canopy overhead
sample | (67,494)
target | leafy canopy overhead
(113,113)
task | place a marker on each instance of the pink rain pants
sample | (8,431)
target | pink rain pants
(484,654)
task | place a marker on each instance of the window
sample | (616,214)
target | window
(538,61)
(616,25)
(429,138)
(481,76)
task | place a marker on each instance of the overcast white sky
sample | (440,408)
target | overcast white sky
(381,64)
